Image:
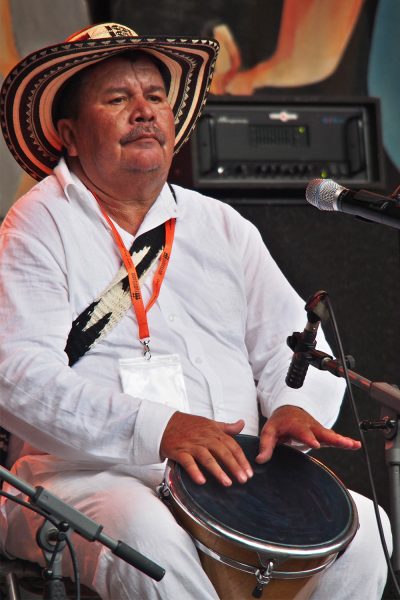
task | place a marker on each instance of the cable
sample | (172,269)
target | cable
(363,444)
(75,568)
(54,522)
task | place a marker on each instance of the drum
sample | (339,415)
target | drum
(272,536)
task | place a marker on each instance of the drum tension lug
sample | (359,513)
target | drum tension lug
(163,491)
(263,579)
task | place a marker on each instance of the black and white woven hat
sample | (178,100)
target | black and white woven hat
(28,92)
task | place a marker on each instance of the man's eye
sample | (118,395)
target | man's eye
(155,98)
(118,100)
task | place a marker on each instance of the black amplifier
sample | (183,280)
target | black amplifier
(252,145)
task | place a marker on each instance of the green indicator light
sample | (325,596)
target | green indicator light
(301,130)
(324,173)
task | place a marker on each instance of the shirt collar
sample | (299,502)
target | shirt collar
(164,208)
(68,180)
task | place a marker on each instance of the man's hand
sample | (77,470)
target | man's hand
(293,423)
(191,441)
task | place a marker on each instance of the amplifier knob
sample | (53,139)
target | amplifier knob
(274,169)
(302,168)
(241,169)
(261,170)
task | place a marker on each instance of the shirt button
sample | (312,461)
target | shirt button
(198,360)
(171,317)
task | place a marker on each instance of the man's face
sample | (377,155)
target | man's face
(124,125)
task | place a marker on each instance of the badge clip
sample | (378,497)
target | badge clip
(146,348)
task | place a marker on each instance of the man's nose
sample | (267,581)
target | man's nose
(142,110)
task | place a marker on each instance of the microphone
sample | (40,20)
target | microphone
(326,194)
(302,343)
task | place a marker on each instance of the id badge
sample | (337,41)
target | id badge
(159,379)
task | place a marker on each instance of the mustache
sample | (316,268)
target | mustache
(140,131)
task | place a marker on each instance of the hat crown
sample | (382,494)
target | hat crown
(101,31)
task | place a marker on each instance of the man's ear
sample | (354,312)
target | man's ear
(66,132)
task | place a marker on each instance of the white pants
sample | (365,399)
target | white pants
(130,510)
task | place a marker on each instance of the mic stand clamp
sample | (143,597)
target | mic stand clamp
(51,539)
(387,424)
(316,358)
(297,344)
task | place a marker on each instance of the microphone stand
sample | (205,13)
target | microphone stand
(51,538)
(389,396)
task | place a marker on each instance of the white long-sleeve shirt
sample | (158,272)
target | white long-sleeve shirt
(224,307)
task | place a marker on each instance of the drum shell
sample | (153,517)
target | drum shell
(233,584)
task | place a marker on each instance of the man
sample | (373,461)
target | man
(105,375)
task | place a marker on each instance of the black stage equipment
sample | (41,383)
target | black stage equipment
(266,149)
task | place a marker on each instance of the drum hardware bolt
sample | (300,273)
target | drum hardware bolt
(263,579)
(325,359)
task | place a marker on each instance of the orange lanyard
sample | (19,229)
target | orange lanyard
(134,284)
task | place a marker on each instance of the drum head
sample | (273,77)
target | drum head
(292,501)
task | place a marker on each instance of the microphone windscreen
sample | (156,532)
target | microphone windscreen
(323,193)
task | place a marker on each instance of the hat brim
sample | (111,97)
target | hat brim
(28,92)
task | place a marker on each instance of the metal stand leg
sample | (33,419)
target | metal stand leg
(392,458)
(12,587)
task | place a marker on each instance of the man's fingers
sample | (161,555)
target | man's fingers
(279,430)
(196,442)
(224,460)
(307,437)
(238,459)
(327,437)
(213,466)
(189,464)
(268,441)
(208,461)
(231,457)
(232,428)
(293,424)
